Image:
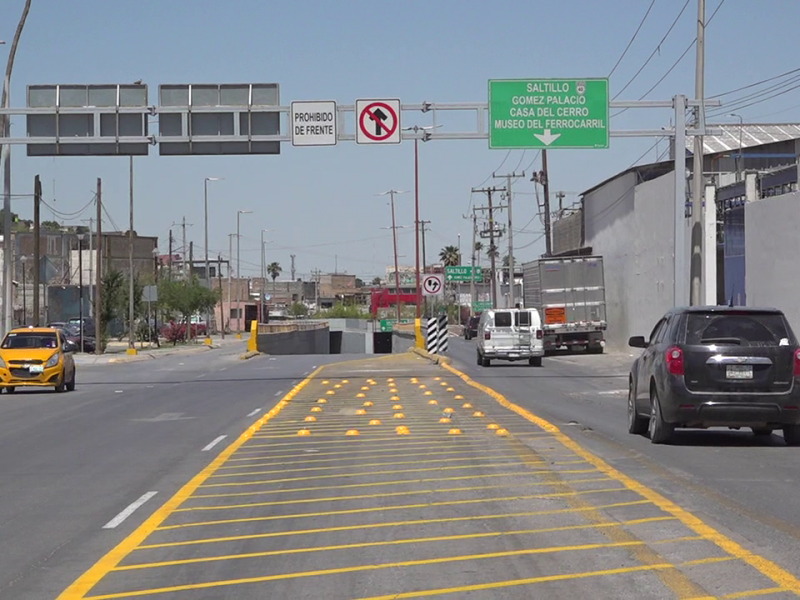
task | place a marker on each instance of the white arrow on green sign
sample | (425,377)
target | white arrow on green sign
(463,273)
(548,113)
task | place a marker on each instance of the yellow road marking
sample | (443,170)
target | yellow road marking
(360,442)
(424,540)
(382,483)
(352,511)
(381,464)
(378,567)
(383,495)
(282,447)
(100,569)
(384,448)
(254,536)
(752,593)
(546,579)
(770,569)
(392,472)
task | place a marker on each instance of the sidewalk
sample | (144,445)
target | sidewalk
(116,351)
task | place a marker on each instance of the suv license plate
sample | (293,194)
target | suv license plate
(739,372)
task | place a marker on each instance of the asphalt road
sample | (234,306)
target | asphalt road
(70,463)
(746,487)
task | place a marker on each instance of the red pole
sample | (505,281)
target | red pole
(416,223)
(396,267)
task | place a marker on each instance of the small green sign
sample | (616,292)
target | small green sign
(548,113)
(481,305)
(463,273)
(387,325)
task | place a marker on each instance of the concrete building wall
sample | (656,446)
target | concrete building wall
(773,272)
(567,233)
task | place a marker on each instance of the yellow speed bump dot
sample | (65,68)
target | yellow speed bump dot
(375,422)
(365,388)
(433,402)
(443,384)
(449,411)
(444,420)
(345,381)
(454,431)
(316,409)
(394,398)
(437,378)
(428,393)
(390,380)
(337,386)
(393,390)
(422,386)
(352,432)
(414,380)
(466,405)
(330,392)
(304,432)
(478,413)
(322,401)
(397,407)
(361,411)
(493,426)
(311,418)
(502,432)
(361,395)
(325,382)
(458,397)
(368,403)
(451,389)
(399,416)
(402,430)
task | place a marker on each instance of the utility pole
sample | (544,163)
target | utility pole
(511,290)
(37,250)
(474,218)
(131,331)
(696,264)
(230,277)
(169,260)
(191,258)
(396,266)
(560,196)
(185,248)
(422,225)
(292,256)
(98,286)
(219,280)
(335,263)
(492,248)
(546,183)
(316,273)
(91,254)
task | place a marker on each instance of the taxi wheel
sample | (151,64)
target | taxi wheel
(10,390)
(71,383)
(61,386)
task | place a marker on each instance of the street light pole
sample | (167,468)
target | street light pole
(205,243)
(391,194)
(261,300)
(24,260)
(239,213)
(739,159)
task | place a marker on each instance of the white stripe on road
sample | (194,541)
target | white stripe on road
(279,393)
(213,443)
(254,412)
(116,521)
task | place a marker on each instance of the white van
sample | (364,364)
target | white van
(510,334)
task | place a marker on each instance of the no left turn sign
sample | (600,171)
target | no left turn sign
(377,121)
(432,285)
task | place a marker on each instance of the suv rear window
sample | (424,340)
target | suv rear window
(502,319)
(737,329)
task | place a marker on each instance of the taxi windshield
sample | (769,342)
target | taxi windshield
(30,340)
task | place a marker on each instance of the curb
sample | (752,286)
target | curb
(249,355)
(434,358)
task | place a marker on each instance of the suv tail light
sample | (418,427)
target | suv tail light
(674,359)
(487,335)
(797,363)
(539,334)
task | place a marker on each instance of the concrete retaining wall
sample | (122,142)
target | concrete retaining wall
(310,341)
(402,341)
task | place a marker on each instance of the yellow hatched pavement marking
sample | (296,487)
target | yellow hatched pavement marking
(770,569)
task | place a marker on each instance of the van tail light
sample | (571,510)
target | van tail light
(674,359)
(797,363)
(487,335)
(539,334)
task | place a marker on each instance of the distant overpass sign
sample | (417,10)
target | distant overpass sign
(313,123)
(548,113)
(463,273)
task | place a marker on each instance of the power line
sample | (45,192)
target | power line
(635,33)
(739,107)
(656,50)
(743,101)
(66,215)
(757,83)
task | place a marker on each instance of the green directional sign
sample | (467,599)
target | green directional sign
(460,274)
(387,325)
(548,113)
(481,305)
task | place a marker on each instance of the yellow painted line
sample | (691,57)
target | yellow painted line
(282,447)
(465,443)
(353,511)
(254,536)
(391,472)
(346,455)
(374,567)
(427,426)
(380,464)
(423,540)
(385,495)
(766,567)
(382,483)
(361,442)
(752,593)
(543,579)
(101,568)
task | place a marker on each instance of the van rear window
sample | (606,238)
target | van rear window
(524,318)
(502,319)
(739,329)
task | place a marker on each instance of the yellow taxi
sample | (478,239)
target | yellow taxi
(37,357)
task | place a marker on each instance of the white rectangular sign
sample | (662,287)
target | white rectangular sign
(378,121)
(313,123)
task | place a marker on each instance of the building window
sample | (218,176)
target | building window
(52,245)
(236,313)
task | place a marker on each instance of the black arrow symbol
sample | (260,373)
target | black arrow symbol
(378,116)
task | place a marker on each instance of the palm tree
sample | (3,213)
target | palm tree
(274,269)
(450,256)
(492,251)
(478,249)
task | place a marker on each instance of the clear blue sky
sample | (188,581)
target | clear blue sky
(321,201)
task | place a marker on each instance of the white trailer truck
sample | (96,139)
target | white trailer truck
(569,294)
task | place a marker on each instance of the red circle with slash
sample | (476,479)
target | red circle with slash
(369,111)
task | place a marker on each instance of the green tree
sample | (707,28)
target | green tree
(450,256)
(186,298)
(51,225)
(376,281)
(298,309)
(113,299)
(274,269)
(359,283)
(492,251)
